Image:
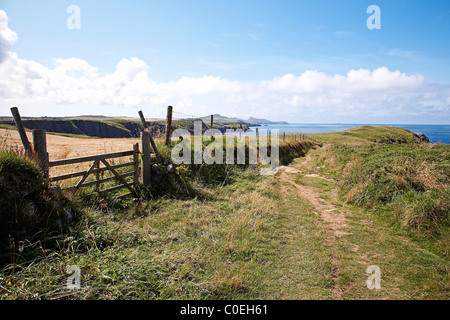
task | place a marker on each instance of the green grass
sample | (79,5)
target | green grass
(218,243)
(409,179)
(414,263)
(167,249)
(30,213)
(404,185)
(255,237)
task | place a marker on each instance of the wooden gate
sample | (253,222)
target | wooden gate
(96,169)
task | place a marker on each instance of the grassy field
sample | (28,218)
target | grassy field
(410,249)
(309,232)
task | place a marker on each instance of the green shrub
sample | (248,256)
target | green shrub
(210,175)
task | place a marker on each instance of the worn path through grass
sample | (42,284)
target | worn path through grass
(354,239)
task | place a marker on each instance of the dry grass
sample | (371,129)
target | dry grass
(431,177)
(60,147)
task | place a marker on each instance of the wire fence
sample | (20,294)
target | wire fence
(9,140)
(180,119)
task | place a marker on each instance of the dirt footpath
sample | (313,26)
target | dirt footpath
(333,219)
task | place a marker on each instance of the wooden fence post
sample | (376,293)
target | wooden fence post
(168,125)
(212,124)
(21,130)
(146,165)
(40,147)
(136,164)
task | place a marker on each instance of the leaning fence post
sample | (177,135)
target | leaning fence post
(40,147)
(168,125)
(21,130)
(146,165)
(144,124)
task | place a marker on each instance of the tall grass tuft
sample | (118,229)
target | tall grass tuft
(31,217)
(413,181)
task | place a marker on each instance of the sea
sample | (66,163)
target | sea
(436,133)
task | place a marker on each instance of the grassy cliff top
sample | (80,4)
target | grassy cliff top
(370,134)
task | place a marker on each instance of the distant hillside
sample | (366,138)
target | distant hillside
(122,127)
(251,122)
(264,121)
(104,127)
(88,126)
(100,127)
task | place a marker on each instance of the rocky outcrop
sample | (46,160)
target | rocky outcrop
(84,127)
(422,138)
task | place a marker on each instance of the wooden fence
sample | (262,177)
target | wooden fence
(39,149)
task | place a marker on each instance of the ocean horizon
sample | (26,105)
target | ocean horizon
(437,133)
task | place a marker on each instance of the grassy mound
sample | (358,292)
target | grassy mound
(30,215)
(387,168)
(415,182)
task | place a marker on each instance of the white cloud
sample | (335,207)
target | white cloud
(75,67)
(7,36)
(310,96)
(362,80)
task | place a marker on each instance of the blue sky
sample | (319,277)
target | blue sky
(286,60)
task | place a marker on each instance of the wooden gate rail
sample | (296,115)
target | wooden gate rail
(90,158)
(80,174)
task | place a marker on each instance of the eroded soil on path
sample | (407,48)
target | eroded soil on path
(332,218)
